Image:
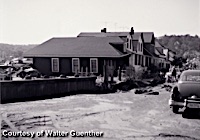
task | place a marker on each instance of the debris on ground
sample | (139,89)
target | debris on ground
(152,93)
(167,87)
(141,91)
(146,91)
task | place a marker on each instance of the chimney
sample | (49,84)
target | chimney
(103,30)
(132,31)
(142,36)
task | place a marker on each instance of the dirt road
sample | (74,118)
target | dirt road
(117,115)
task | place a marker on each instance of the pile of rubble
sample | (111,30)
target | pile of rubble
(18,68)
(132,83)
(146,91)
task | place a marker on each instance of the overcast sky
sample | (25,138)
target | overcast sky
(35,21)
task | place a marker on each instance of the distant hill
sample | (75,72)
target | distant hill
(184,45)
(7,50)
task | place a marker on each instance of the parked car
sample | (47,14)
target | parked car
(187,91)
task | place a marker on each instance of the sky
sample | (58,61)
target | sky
(35,21)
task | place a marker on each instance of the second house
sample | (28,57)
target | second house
(71,55)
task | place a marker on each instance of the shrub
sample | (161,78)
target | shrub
(139,73)
(153,68)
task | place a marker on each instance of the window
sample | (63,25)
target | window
(138,47)
(146,61)
(125,46)
(136,59)
(93,65)
(191,77)
(142,59)
(150,61)
(139,59)
(55,65)
(130,43)
(75,65)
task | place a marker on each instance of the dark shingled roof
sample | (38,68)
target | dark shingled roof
(102,34)
(157,44)
(148,36)
(160,50)
(77,47)
(135,42)
(146,52)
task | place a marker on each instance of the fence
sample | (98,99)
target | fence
(14,90)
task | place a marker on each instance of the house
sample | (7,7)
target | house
(71,55)
(90,51)
(144,48)
(168,53)
(140,44)
(163,59)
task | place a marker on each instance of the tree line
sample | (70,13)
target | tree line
(185,46)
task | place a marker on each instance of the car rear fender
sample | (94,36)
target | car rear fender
(189,89)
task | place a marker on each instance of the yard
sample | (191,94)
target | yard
(120,115)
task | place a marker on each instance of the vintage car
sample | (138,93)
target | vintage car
(186,93)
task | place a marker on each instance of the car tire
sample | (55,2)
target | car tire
(175,94)
(186,113)
(175,109)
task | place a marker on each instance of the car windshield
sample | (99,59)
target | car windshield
(191,77)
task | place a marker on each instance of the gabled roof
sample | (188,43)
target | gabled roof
(146,52)
(171,51)
(158,44)
(148,36)
(135,43)
(160,51)
(77,47)
(102,34)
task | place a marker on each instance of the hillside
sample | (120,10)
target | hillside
(7,50)
(184,45)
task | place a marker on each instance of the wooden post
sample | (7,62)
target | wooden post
(105,74)
(119,74)
(82,71)
(76,71)
(111,74)
(86,71)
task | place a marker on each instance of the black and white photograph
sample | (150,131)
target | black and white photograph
(100,69)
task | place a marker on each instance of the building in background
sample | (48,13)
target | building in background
(71,55)
(90,51)
(145,49)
